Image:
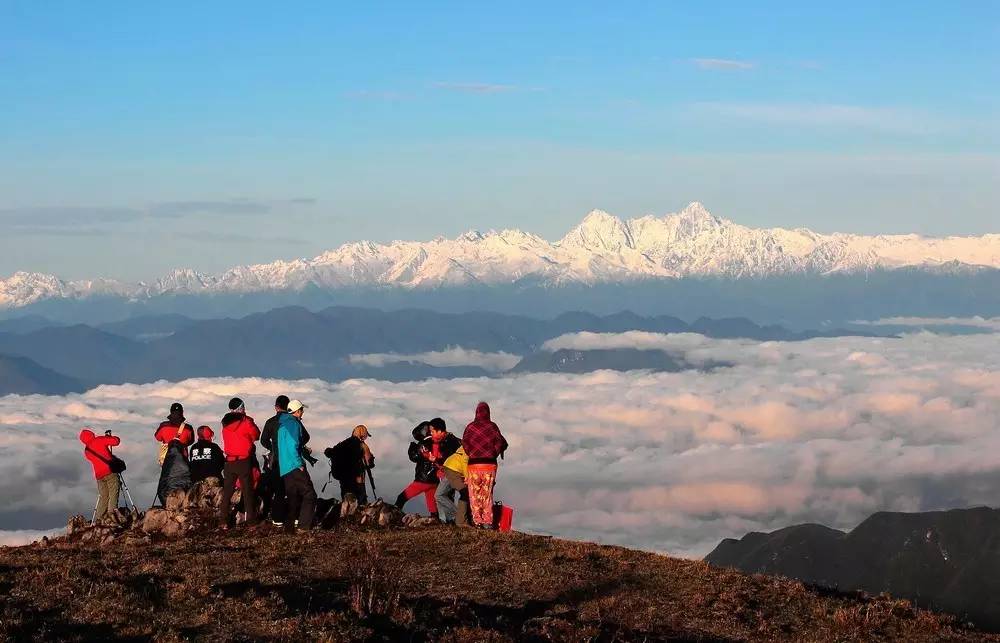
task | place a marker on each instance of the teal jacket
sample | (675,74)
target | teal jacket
(290,432)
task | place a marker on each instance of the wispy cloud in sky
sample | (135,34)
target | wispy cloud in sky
(375,94)
(476,88)
(74,219)
(722,64)
(829,115)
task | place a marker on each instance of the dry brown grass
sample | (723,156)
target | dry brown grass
(422,584)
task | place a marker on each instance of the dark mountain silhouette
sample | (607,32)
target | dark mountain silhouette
(79,351)
(944,560)
(26,324)
(801,301)
(22,376)
(295,342)
(148,327)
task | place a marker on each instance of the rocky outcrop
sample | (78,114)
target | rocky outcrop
(198,508)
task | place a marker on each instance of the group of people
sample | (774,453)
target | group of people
(282,491)
(447,465)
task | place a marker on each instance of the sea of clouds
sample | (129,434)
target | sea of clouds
(826,430)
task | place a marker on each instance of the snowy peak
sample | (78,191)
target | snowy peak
(600,231)
(600,249)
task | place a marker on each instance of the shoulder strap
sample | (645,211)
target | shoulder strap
(98,455)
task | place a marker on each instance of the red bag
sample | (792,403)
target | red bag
(503,516)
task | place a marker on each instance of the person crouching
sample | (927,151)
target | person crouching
(239,432)
(432,447)
(454,469)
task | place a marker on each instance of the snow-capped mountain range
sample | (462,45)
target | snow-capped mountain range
(601,249)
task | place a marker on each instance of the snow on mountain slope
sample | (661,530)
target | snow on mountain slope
(601,249)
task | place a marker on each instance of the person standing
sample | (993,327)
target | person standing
(350,460)
(274,504)
(174,428)
(98,451)
(483,443)
(299,488)
(175,436)
(206,458)
(239,432)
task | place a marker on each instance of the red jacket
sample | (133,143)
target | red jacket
(168,431)
(239,432)
(482,439)
(100,445)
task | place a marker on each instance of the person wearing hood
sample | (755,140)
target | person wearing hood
(433,445)
(239,432)
(483,444)
(97,449)
(175,436)
(206,458)
(291,438)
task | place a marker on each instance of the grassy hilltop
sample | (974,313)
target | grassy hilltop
(432,583)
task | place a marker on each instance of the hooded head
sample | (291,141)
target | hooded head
(483,412)
(421,431)
(87,436)
(176,413)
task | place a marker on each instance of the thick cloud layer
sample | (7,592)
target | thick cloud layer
(826,430)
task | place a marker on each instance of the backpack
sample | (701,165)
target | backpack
(116,464)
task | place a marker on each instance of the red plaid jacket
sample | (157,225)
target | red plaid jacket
(482,440)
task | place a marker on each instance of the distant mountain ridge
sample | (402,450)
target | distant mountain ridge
(602,249)
(174,347)
(946,560)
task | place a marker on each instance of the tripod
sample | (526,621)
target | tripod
(125,495)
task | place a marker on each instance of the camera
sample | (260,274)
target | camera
(307,455)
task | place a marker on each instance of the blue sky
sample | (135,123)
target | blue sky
(137,137)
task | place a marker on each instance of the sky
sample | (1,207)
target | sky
(824,430)
(140,137)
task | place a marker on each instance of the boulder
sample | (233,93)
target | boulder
(173,528)
(76,524)
(155,520)
(349,506)
(176,500)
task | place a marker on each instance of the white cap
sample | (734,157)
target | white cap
(295,405)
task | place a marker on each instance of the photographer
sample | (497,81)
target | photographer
(98,451)
(299,488)
(432,447)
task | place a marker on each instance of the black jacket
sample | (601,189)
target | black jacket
(206,460)
(426,471)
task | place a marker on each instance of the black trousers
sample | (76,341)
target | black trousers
(301,499)
(273,495)
(238,470)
